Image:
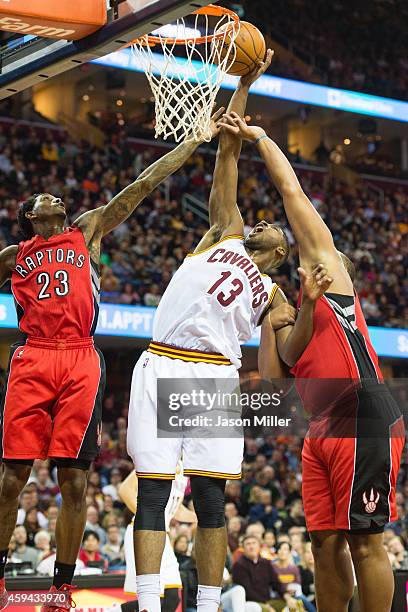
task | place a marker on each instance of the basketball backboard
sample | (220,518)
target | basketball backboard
(28,60)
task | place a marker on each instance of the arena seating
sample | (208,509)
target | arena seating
(368,224)
(359,47)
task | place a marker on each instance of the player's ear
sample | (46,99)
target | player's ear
(280,251)
(30,215)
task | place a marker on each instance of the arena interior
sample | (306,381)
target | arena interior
(86,134)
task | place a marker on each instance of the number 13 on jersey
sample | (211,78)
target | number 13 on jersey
(236,287)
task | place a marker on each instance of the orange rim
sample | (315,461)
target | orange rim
(211,9)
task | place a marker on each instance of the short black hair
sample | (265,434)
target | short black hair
(25,225)
(287,247)
(280,544)
(90,532)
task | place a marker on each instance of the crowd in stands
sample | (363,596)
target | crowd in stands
(141,255)
(264,511)
(264,515)
(345,44)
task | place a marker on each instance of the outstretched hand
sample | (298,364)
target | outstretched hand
(315,284)
(258,71)
(215,125)
(234,124)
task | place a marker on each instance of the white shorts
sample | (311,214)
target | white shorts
(169,569)
(157,457)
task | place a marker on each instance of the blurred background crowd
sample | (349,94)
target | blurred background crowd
(265,505)
(367,50)
(341,44)
(139,258)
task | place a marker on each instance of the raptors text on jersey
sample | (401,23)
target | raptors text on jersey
(56,286)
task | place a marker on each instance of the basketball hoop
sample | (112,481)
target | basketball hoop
(186,84)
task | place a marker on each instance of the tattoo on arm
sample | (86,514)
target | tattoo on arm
(96,223)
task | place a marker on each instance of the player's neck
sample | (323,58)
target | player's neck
(46,230)
(259,258)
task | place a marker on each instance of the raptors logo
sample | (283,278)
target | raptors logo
(371,504)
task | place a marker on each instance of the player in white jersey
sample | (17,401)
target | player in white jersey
(212,305)
(170,580)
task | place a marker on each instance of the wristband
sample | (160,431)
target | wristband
(258,140)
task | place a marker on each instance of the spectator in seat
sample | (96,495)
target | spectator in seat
(27,501)
(289,574)
(42,541)
(258,576)
(234,530)
(92,523)
(22,551)
(296,517)
(114,481)
(113,549)
(32,525)
(90,554)
(263,510)
(46,487)
(307,572)
(396,547)
(269,546)
(153,296)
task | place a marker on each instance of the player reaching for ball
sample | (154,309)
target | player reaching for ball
(212,305)
(351,455)
(52,405)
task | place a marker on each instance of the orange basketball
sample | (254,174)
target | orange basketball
(251,48)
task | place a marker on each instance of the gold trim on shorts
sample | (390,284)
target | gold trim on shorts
(213,474)
(157,476)
(175,352)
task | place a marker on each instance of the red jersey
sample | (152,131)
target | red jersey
(340,346)
(56,286)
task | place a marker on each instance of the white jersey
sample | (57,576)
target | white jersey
(169,569)
(214,301)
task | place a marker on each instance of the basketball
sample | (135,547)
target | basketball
(251,48)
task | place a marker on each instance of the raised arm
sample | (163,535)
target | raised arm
(96,223)
(224,215)
(7,263)
(292,341)
(310,231)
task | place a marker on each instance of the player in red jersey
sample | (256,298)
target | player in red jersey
(52,406)
(352,452)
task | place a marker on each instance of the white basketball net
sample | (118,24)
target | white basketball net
(185,86)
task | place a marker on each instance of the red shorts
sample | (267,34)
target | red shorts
(53,401)
(349,483)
